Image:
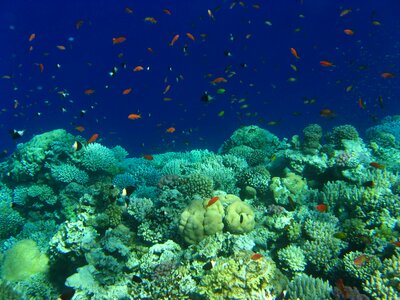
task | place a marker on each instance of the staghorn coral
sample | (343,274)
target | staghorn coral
(359,265)
(307,287)
(68,173)
(97,157)
(10,221)
(292,259)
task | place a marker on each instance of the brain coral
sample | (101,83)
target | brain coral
(312,139)
(239,217)
(199,220)
(343,132)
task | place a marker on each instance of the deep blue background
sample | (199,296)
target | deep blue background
(90,55)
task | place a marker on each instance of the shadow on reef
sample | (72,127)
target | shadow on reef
(312,217)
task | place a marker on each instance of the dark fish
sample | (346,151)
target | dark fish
(77,146)
(67,295)
(16,134)
(82,112)
(228,53)
(369,184)
(137,279)
(127,191)
(209,265)
(206,97)
(113,72)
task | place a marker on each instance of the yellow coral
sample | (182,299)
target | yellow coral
(239,217)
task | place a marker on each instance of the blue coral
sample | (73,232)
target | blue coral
(97,157)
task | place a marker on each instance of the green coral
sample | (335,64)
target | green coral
(385,282)
(10,221)
(239,277)
(292,259)
(68,173)
(343,132)
(363,269)
(239,217)
(307,287)
(257,178)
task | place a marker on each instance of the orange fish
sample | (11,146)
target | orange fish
(387,75)
(41,67)
(294,53)
(61,47)
(150,20)
(78,24)
(190,36)
(256,256)
(32,37)
(174,39)
(212,201)
(118,40)
(326,63)
(396,243)
(167,11)
(348,32)
(327,113)
(321,207)
(377,165)
(80,128)
(148,157)
(362,104)
(126,91)
(93,138)
(167,88)
(341,287)
(134,116)
(361,260)
(170,130)
(138,68)
(89,92)
(219,80)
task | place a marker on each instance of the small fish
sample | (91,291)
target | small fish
(369,184)
(170,130)
(321,207)
(221,113)
(348,31)
(219,80)
(89,91)
(212,201)
(67,295)
(256,256)
(340,235)
(380,102)
(387,75)
(77,146)
(167,88)
(376,23)
(341,287)
(148,157)
(210,14)
(167,11)
(78,24)
(174,39)
(127,191)
(327,113)
(362,104)
(396,243)
(326,63)
(190,36)
(209,265)
(294,53)
(61,47)
(16,134)
(80,128)
(294,68)
(41,67)
(32,37)
(137,279)
(377,165)
(126,91)
(138,68)
(150,20)
(206,97)
(221,91)
(349,88)
(93,138)
(345,12)
(128,10)
(361,260)
(118,40)
(134,116)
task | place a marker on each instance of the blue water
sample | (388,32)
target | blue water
(258,37)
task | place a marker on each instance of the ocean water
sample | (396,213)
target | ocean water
(163,149)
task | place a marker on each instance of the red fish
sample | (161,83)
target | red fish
(256,256)
(80,128)
(41,67)
(174,39)
(89,91)
(219,80)
(294,53)
(387,75)
(170,130)
(93,138)
(118,40)
(167,11)
(134,116)
(138,68)
(150,20)
(61,47)
(212,201)
(32,37)
(396,243)
(348,32)
(321,207)
(167,88)
(326,63)
(190,36)
(126,91)
(148,157)
(377,165)
(361,260)
(362,104)
(327,113)
(341,287)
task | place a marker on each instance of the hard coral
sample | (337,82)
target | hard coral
(312,139)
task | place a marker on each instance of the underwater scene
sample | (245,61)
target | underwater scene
(200,150)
